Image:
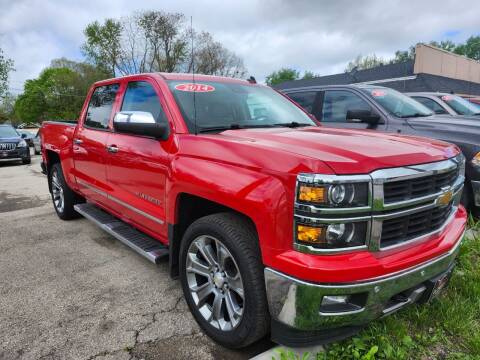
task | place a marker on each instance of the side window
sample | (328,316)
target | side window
(336,103)
(100,106)
(431,104)
(141,96)
(305,99)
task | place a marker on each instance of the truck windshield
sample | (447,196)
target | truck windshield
(397,104)
(223,105)
(7,132)
(460,105)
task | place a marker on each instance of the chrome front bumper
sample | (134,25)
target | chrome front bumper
(296,303)
(476,192)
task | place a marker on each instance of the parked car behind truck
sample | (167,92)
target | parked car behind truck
(443,103)
(13,147)
(384,109)
(273,224)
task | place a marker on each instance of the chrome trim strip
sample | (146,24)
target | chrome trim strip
(315,220)
(120,202)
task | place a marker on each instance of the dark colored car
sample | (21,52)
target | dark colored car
(443,103)
(384,109)
(13,147)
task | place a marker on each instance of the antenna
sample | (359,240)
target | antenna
(193,79)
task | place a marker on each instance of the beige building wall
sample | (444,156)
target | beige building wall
(435,61)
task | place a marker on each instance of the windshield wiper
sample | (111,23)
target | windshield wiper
(293,124)
(207,129)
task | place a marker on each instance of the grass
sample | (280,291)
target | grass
(447,328)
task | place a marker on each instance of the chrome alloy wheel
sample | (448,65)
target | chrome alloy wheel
(57,193)
(215,282)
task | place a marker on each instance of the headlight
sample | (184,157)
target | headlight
(311,191)
(332,236)
(22,144)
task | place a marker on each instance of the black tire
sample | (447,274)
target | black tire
(26,161)
(70,198)
(239,237)
(37,152)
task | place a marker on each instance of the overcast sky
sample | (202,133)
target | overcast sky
(321,36)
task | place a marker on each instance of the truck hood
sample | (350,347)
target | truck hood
(344,151)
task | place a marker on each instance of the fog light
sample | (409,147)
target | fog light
(343,303)
(334,300)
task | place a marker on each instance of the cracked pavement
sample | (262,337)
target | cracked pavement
(70,291)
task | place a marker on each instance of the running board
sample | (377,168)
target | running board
(143,244)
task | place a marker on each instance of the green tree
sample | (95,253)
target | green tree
(309,75)
(470,49)
(58,93)
(103,44)
(282,75)
(365,62)
(6,66)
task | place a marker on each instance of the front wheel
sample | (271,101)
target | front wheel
(222,279)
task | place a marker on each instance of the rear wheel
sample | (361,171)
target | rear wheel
(63,197)
(222,279)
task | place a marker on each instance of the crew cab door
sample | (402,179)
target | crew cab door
(138,165)
(90,138)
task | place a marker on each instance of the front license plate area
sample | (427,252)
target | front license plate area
(438,284)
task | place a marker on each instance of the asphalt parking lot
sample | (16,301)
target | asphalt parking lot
(70,291)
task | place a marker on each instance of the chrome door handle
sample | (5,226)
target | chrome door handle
(77,141)
(112,148)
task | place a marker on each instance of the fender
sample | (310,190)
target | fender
(264,198)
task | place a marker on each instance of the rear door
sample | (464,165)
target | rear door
(138,168)
(89,143)
(333,106)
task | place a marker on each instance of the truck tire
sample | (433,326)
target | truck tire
(222,279)
(63,197)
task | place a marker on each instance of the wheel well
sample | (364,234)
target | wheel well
(52,158)
(188,209)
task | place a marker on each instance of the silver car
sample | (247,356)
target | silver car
(444,103)
(37,143)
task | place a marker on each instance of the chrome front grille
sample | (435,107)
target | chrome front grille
(408,227)
(406,204)
(417,187)
(8,146)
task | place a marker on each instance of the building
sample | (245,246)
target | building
(433,69)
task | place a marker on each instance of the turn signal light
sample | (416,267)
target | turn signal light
(310,234)
(312,194)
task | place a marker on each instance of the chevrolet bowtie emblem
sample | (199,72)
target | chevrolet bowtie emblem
(445,198)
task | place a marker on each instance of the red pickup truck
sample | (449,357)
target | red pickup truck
(274,224)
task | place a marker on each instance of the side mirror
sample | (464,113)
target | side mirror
(23,136)
(366,116)
(140,123)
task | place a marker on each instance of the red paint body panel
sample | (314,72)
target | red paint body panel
(252,171)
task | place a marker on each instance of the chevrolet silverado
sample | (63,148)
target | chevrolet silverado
(273,224)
